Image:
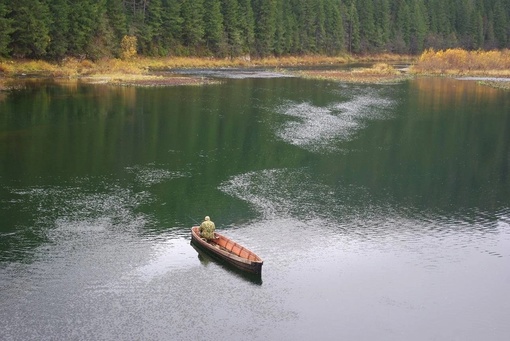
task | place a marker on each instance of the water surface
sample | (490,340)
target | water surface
(381,211)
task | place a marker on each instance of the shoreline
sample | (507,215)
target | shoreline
(157,72)
(141,71)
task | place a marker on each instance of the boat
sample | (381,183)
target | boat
(206,258)
(229,251)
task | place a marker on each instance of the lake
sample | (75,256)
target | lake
(382,211)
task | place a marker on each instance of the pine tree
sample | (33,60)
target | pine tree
(500,24)
(403,31)
(58,46)
(476,31)
(490,37)
(83,24)
(307,26)
(279,36)
(463,18)
(368,32)
(264,12)
(94,28)
(384,22)
(231,25)
(151,36)
(353,30)
(192,12)
(418,26)
(117,18)
(102,42)
(31,20)
(334,29)
(213,27)
(246,25)
(439,10)
(319,32)
(172,26)
(6,29)
(292,36)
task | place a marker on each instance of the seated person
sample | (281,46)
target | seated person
(207,229)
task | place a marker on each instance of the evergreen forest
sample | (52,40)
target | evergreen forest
(94,29)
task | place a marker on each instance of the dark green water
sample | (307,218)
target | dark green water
(382,212)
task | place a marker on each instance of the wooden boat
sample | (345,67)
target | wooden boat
(228,251)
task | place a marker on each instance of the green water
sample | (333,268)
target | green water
(381,211)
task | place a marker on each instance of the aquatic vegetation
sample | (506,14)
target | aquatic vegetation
(378,73)
(496,84)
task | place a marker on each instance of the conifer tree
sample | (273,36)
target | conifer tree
(307,26)
(102,40)
(418,27)
(172,26)
(231,23)
(192,12)
(292,35)
(368,32)
(319,33)
(246,25)
(463,10)
(383,18)
(213,27)
(83,23)
(264,12)
(94,28)
(440,12)
(500,24)
(334,29)
(117,18)
(151,35)
(403,30)
(280,32)
(5,30)
(353,30)
(476,31)
(32,20)
(58,46)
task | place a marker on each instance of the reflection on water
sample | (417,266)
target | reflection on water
(381,211)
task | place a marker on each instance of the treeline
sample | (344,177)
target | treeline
(54,29)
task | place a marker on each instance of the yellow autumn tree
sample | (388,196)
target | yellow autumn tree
(128,47)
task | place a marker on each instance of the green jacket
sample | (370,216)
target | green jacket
(207,229)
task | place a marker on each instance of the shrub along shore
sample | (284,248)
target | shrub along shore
(140,71)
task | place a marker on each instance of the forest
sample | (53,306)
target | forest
(95,29)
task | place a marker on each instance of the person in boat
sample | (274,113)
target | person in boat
(207,228)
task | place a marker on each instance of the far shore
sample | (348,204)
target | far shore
(147,71)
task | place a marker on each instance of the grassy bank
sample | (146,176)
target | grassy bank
(493,65)
(141,71)
(458,62)
(72,68)
(378,73)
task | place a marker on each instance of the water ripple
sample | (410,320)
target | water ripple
(148,175)
(291,202)
(318,129)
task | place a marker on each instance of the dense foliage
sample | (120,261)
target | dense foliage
(54,29)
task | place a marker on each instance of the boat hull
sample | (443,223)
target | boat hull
(229,251)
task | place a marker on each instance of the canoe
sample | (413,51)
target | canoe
(229,251)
